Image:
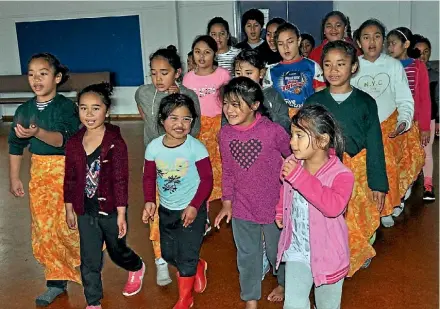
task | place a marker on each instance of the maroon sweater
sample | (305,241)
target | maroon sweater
(113,177)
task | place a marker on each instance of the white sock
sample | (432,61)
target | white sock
(387,221)
(398,210)
(408,192)
(160,261)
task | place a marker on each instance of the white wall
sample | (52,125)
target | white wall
(162,23)
(420,16)
(169,22)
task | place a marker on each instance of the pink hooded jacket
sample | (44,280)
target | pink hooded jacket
(328,193)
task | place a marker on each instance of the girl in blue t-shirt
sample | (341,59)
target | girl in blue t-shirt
(295,78)
(180,165)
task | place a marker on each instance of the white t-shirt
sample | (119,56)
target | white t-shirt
(299,249)
(385,80)
(340,97)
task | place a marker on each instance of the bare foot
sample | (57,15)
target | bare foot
(251,304)
(277,295)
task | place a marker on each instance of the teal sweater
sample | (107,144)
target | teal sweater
(59,116)
(360,124)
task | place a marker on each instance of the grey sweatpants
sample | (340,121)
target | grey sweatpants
(298,285)
(248,237)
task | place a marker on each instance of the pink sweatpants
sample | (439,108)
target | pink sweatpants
(428,168)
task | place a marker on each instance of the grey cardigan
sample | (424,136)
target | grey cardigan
(148,99)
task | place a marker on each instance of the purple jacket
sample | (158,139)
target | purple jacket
(113,176)
(328,193)
(251,161)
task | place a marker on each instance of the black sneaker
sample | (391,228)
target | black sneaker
(428,194)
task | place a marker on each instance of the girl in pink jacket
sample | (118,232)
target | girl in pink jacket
(315,193)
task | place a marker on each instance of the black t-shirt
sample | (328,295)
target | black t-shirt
(268,54)
(91,203)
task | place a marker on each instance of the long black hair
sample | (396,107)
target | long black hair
(103,90)
(367,23)
(343,46)
(55,64)
(246,89)
(404,34)
(224,23)
(169,54)
(252,56)
(169,103)
(316,120)
(345,20)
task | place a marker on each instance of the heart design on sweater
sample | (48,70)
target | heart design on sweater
(374,86)
(245,153)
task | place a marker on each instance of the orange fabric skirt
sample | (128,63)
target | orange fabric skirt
(292,112)
(154,230)
(410,157)
(210,127)
(54,245)
(362,216)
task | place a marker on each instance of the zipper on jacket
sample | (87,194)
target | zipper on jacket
(152,105)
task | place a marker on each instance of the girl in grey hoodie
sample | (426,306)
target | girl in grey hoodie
(166,69)
(249,63)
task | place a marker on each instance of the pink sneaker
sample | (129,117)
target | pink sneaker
(134,282)
(94,307)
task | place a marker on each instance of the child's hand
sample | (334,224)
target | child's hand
(70,217)
(424,137)
(122,225)
(173,89)
(288,167)
(379,198)
(16,187)
(189,215)
(225,212)
(149,211)
(22,132)
(279,223)
(399,130)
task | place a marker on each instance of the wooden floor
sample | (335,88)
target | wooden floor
(403,275)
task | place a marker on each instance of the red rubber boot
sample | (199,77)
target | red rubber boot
(186,285)
(201,280)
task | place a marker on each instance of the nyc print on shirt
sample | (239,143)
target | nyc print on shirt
(374,85)
(295,81)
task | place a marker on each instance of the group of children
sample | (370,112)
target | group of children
(308,148)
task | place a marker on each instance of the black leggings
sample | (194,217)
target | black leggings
(181,246)
(93,232)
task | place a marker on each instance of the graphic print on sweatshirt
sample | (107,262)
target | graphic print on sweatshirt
(245,153)
(92,178)
(171,176)
(376,85)
(205,91)
(295,81)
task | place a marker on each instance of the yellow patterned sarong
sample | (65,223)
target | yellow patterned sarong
(362,216)
(154,230)
(410,158)
(209,129)
(292,111)
(54,245)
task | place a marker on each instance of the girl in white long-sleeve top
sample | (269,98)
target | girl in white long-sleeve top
(384,78)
